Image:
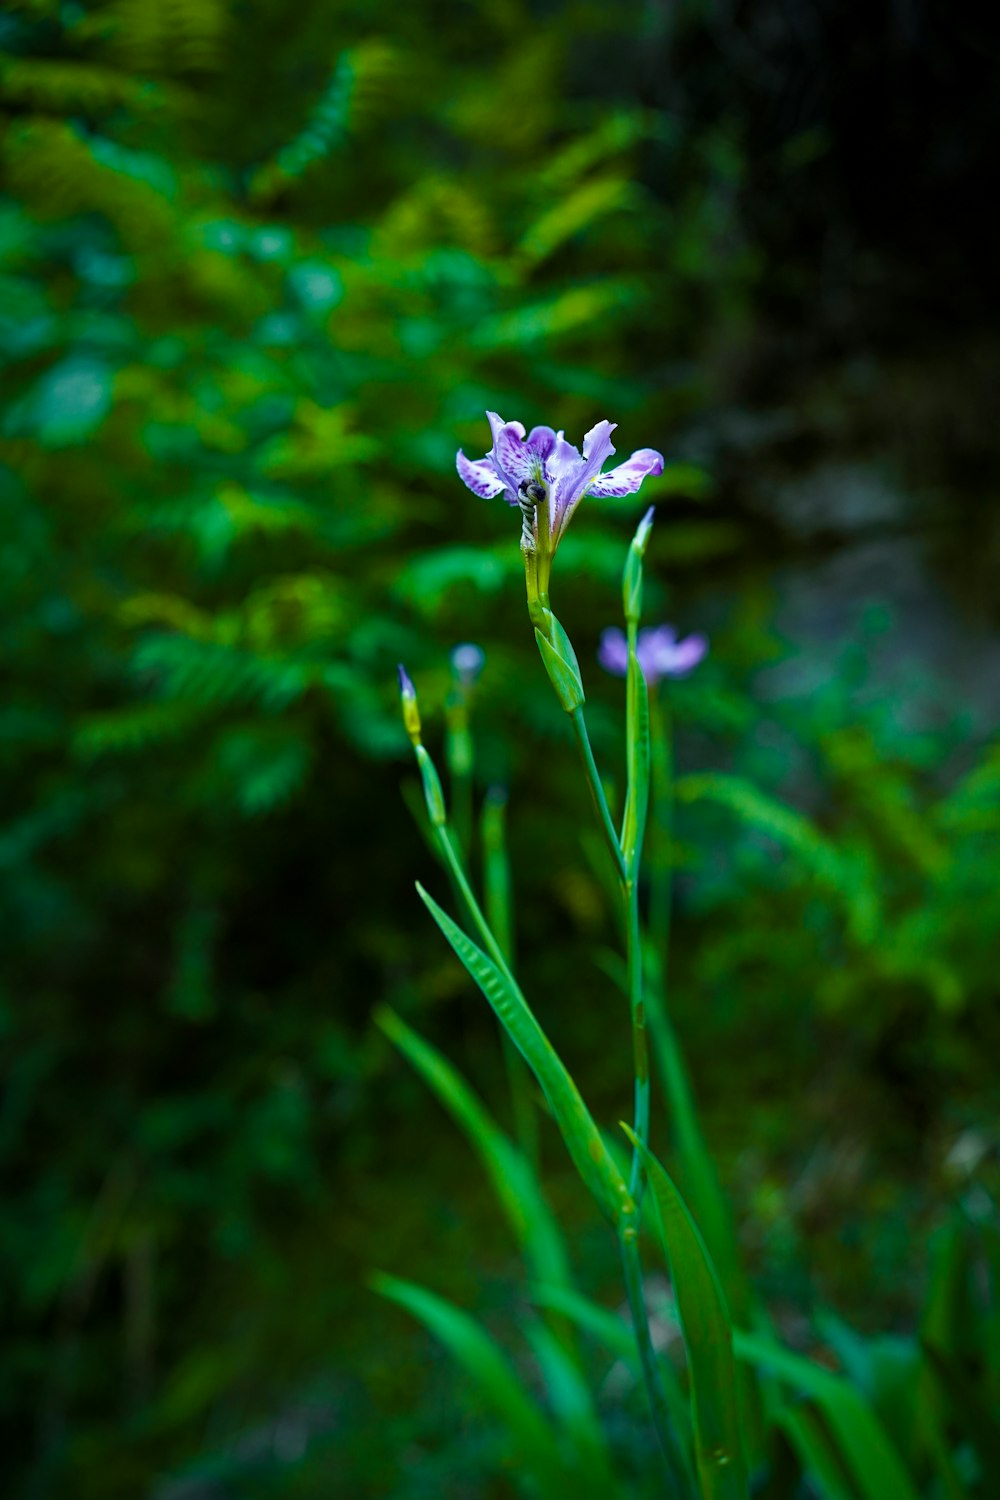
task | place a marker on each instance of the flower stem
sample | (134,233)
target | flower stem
(497,900)
(678,1472)
(640,1047)
(661,853)
(457,871)
(597,794)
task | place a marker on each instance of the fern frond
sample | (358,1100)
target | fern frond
(62,87)
(58,174)
(792,831)
(617,132)
(362,85)
(570,215)
(208,674)
(261,769)
(124,731)
(169,36)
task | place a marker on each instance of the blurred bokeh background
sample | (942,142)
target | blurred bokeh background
(262,269)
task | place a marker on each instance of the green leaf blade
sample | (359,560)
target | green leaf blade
(583,1140)
(708,1340)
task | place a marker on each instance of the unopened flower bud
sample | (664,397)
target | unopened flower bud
(632,578)
(408,702)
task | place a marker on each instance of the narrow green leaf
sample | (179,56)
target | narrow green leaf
(513,1182)
(698,1177)
(866,1450)
(496,869)
(708,1340)
(637,762)
(581,1135)
(573,1405)
(970,1412)
(618,1337)
(815,1452)
(607,1327)
(530,1431)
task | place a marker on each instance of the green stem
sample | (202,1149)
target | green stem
(457,871)
(640,1048)
(661,831)
(678,1471)
(633,949)
(597,794)
(497,899)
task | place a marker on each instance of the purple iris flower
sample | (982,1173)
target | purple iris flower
(659,651)
(544,468)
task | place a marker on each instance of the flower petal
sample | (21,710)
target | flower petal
(612,652)
(512,455)
(541,441)
(597,444)
(627,477)
(655,650)
(575,474)
(482,478)
(687,654)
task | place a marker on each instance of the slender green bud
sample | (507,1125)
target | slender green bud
(561,664)
(433,795)
(632,577)
(408,701)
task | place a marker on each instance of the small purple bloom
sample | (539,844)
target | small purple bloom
(467,661)
(659,651)
(543,468)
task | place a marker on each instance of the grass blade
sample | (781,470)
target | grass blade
(583,1140)
(864,1447)
(473,1349)
(815,1452)
(513,1182)
(574,1407)
(708,1340)
(618,1337)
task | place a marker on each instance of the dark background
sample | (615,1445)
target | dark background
(262,270)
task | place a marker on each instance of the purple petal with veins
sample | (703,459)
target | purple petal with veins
(513,455)
(627,477)
(575,474)
(482,478)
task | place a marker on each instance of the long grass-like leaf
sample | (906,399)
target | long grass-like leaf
(708,1340)
(583,1140)
(618,1338)
(864,1447)
(573,1404)
(532,1434)
(815,1452)
(512,1180)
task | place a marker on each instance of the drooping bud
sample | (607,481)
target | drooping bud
(632,577)
(467,661)
(408,702)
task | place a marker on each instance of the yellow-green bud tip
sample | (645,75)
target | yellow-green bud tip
(408,700)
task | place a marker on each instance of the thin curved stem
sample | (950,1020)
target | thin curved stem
(640,1046)
(480,923)
(678,1472)
(597,793)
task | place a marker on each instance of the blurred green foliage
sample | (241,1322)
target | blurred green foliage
(260,274)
